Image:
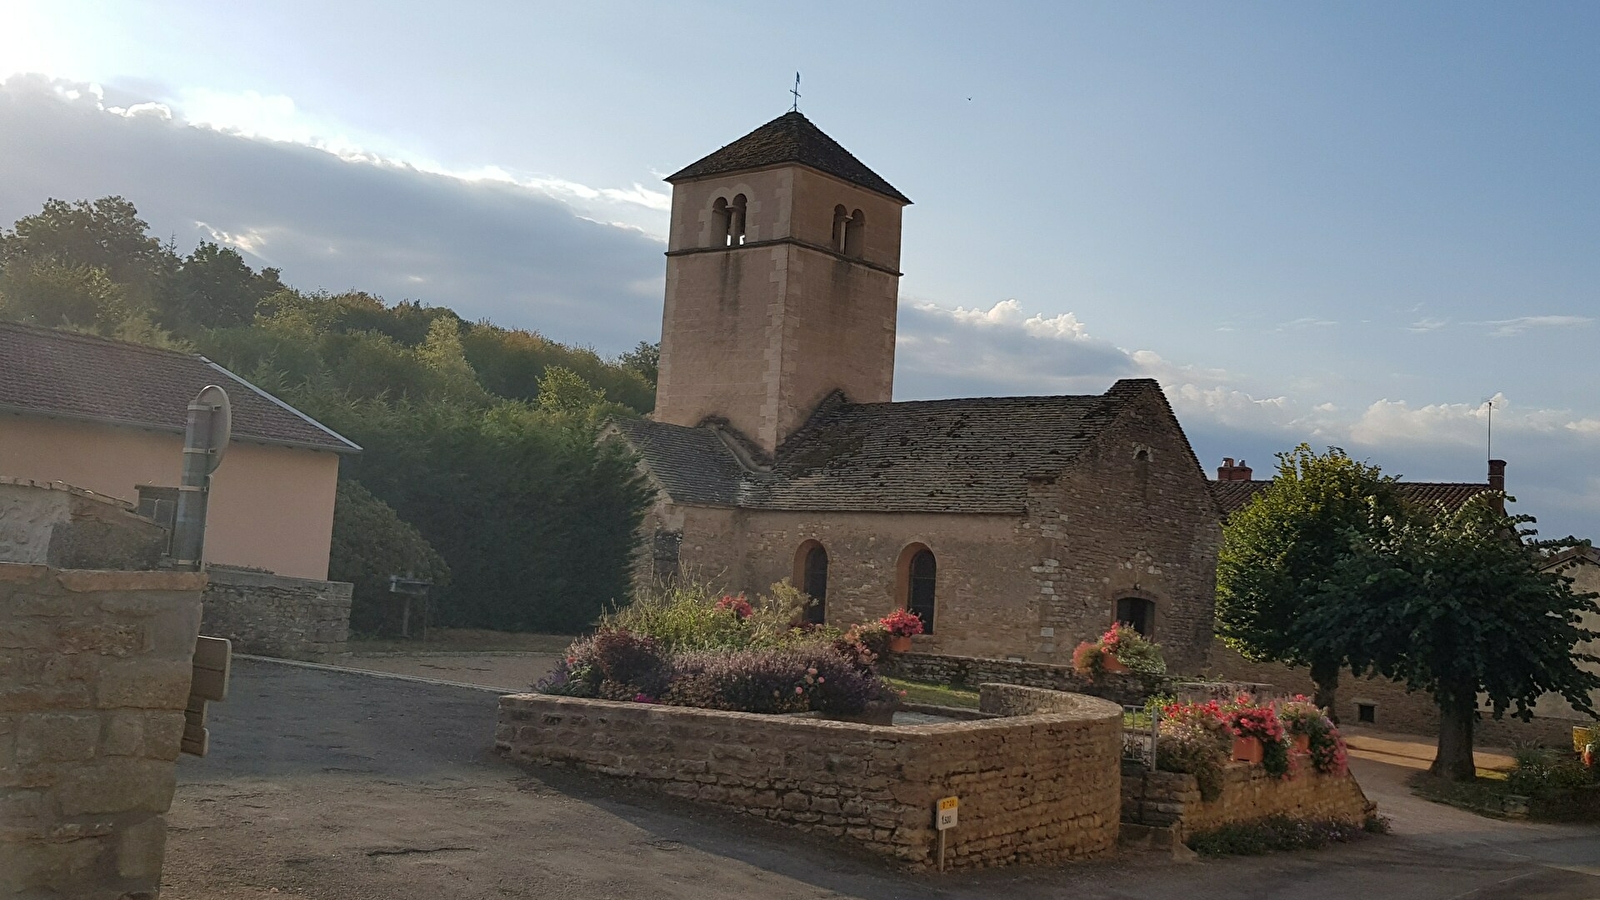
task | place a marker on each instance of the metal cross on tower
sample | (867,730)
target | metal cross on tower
(795,107)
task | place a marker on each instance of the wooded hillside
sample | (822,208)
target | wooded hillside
(480,469)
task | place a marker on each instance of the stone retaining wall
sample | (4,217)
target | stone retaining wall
(1125,689)
(1171,800)
(1036,788)
(275,615)
(94,675)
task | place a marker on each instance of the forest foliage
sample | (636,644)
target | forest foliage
(478,439)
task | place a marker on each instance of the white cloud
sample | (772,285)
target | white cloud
(1427,324)
(1513,327)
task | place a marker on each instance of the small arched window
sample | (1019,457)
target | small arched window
(811,575)
(841,221)
(721,217)
(736,211)
(1137,613)
(854,233)
(921,576)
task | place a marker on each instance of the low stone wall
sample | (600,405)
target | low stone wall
(275,615)
(1249,794)
(94,675)
(1125,689)
(1034,788)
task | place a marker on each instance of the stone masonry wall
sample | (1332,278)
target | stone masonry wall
(1171,800)
(275,615)
(94,676)
(1039,788)
(1131,517)
(971,672)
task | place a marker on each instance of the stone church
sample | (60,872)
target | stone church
(1015,527)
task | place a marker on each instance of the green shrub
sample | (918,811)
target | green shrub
(1546,773)
(1280,833)
(370,543)
(689,615)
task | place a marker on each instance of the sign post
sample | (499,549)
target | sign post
(945,814)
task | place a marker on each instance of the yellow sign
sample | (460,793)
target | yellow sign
(946,810)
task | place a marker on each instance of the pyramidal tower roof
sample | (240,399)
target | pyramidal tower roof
(790,138)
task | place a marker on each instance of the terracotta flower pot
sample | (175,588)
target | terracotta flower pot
(1248,750)
(1302,743)
(1111,664)
(900,643)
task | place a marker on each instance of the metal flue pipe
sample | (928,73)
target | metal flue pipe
(205,438)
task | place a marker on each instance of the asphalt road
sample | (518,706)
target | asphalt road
(335,785)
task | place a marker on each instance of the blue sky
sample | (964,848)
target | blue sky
(1347,224)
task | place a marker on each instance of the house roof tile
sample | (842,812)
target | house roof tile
(790,138)
(76,376)
(1233,496)
(963,456)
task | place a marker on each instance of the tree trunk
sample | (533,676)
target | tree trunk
(1326,678)
(1453,760)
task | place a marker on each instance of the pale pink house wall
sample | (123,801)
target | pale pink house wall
(271,507)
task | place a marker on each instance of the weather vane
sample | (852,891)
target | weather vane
(795,107)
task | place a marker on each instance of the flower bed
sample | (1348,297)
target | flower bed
(1284,738)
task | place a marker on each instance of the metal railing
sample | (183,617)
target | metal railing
(1140,726)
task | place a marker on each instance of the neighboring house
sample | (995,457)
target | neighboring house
(1014,527)
(1582,565)
(1235,489)
(109,416)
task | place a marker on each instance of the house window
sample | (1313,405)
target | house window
(921,575)
(1367,713)
(812,576)
(1137,613)
(841,219)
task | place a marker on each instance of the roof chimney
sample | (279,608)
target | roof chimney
(1497,475)
(1230,472)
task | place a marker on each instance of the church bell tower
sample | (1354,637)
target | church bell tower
(783,274)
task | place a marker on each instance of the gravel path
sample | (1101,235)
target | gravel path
(337,785)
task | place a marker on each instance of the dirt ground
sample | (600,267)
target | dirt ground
(332,784)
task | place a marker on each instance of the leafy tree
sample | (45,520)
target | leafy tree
(61,295)
(1453,603)
(370,543)
(1277,551)
(106,234)
(564,392)
(216,288)
(644,359)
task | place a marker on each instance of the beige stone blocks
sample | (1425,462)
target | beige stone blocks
(94,676)
(1249,794)
(1039,787)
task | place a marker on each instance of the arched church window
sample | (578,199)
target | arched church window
(1137,613)
(721,217)
(841,219)
(855,233)
(736,211)
(811,576)
(921,575)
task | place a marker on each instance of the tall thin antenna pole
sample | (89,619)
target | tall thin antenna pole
(795,107)
(1490,401)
